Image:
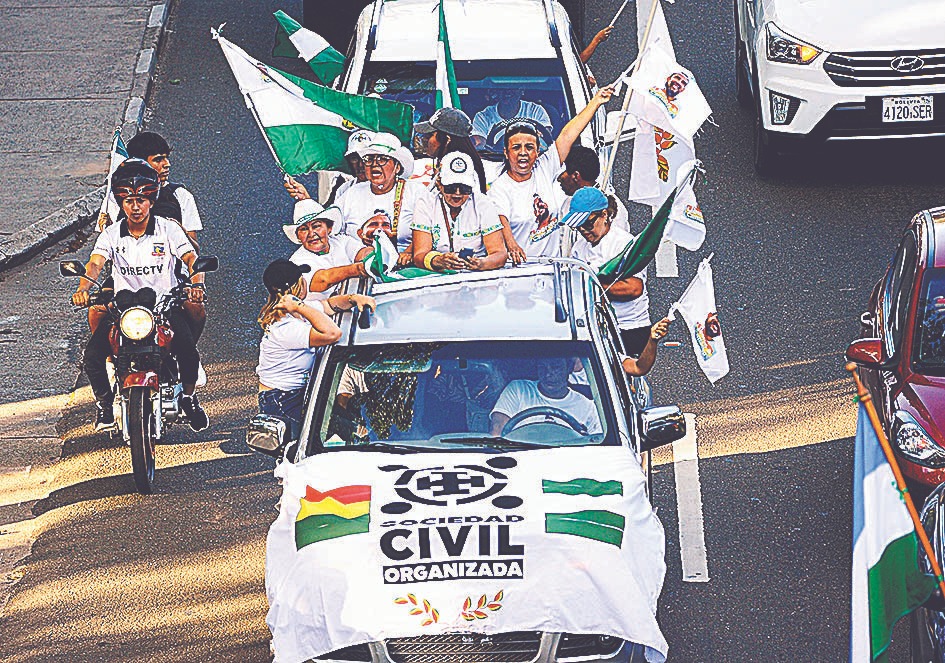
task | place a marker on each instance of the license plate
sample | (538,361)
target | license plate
(907,109)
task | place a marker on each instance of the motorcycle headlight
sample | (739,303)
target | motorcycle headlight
(136,323)
(783,47)
(915,442)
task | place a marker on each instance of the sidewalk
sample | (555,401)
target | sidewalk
(70,72)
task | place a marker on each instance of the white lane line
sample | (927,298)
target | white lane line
(695,566)
(666,265)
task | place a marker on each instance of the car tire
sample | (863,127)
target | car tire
(920,650)
(742,81)
(575,9)
(766,156)
(335,21)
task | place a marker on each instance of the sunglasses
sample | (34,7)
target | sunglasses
(377,159)
(457,189)
(588,224)
(143,191)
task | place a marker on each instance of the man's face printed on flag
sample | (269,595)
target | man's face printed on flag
(380,222)
(675,85)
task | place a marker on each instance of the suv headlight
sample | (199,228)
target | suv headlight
(136,323)
(785,48)
(915,442)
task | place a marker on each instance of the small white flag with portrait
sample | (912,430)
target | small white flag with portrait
(697,306)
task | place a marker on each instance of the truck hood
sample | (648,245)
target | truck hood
(370,546)
(863,25)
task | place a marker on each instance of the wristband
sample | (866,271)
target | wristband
(428,260)
(333,307)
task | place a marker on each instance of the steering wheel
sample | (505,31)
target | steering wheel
(498,131)
(547,411)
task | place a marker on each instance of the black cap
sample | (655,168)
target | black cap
(282,274)
(146,144)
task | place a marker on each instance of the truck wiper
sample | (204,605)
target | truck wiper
(494,441)
(383,446)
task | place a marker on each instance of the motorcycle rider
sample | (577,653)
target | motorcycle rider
(143,249)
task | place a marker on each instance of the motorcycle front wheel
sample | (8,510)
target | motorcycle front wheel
(141,433)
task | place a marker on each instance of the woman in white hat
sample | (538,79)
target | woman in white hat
(388,165)
(331,258)
(456,226)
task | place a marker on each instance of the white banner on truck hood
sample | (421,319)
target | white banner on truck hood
(372,545)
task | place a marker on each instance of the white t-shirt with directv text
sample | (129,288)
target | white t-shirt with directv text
(359,203)
(532,206)
(477,218)
(634,313)
(148,261)
(285,356)
(519,395)
(342,250)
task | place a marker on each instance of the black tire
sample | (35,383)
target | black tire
(141,433)
(335,21)
(920,648)
(742,81)
(766,156)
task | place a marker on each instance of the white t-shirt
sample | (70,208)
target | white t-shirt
(358,204)
(519,395)
(621,221)
(477,218)
(145,262)
(190,217)
(285,356)
(532,206)
(634,313)
(484,121)
(342,250)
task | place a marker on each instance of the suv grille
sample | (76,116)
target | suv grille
(518,646)
(875,69)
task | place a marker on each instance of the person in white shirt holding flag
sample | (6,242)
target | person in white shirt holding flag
(526,193)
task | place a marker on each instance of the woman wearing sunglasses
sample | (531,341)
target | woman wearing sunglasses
(457,227)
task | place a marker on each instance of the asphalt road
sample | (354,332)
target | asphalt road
(179,575)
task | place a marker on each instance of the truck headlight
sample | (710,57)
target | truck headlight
(136,323)
(785,48)
(915,443)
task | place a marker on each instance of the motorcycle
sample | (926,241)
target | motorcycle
(145,368)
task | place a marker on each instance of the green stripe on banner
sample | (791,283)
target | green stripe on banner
(603,526)
(300,148)
(327,65)
(583,487)
(896,588)
(323,527)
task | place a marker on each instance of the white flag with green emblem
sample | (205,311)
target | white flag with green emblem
(381,264)
(447,94)
(307,125)
(292,40)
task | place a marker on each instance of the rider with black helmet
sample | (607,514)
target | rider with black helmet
(143,248)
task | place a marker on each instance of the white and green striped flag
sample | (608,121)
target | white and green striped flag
(447,95)
(307,125)
(292,40)
(887,581)
(110,208)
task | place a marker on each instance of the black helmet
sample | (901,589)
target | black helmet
(146,144)
(134,177)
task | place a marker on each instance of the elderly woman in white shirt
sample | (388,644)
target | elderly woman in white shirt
(455,226)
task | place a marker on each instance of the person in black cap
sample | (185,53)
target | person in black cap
(448,130)
(293,334)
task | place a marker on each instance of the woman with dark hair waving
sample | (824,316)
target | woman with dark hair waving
(448,130)
(293,334)
(526,193)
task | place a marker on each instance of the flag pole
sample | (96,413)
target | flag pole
(864,396)
(626,101)
(619,12)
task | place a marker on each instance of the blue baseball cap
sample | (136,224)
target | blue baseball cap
(585,202)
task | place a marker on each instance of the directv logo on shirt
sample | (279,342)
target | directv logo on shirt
(147,270)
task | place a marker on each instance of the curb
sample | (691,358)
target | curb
(24,244)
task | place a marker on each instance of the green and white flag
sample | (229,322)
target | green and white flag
(110,206)
(447,95)
(292,40)
(307,125)
(642,248)
(382,262)
(887,581)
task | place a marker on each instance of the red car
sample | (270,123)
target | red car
(902,352)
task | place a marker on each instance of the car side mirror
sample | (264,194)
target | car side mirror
(868,353)
(268,435)
(661,424)
(71,268)
(205,264)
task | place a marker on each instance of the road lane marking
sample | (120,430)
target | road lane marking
(695,566)
(666,265)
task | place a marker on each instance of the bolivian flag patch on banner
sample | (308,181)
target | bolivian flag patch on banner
(332,514)
(597,524)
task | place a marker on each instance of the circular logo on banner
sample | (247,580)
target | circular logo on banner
(458,165)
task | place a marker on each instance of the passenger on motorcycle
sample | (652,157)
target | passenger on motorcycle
(143,249)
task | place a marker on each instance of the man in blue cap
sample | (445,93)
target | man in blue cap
(600,241)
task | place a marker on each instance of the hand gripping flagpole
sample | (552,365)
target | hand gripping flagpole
(626,100)
(864,397)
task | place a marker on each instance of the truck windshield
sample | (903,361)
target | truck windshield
(928,350)
(456,395)
(492,93)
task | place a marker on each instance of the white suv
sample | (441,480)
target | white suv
(839,70)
